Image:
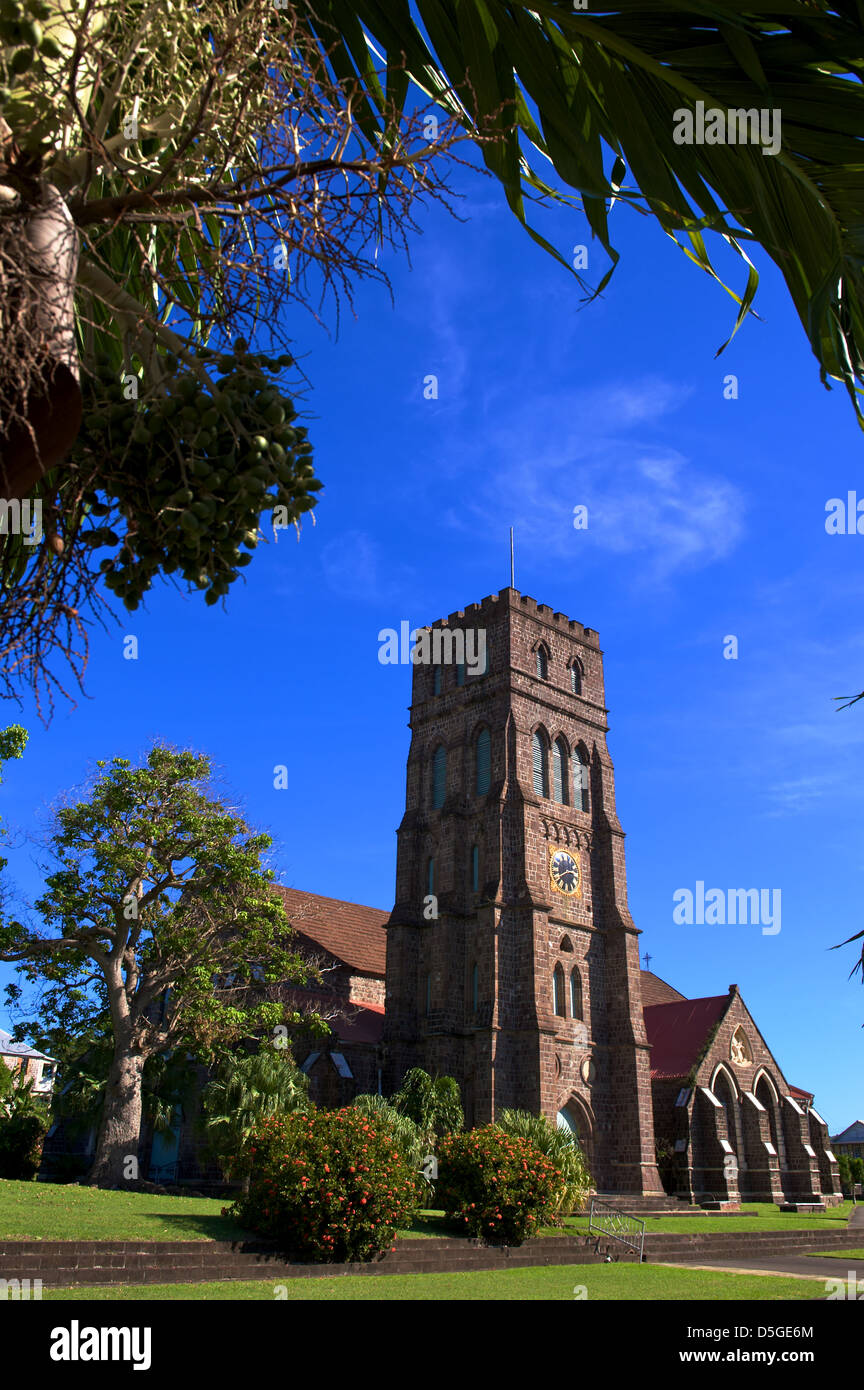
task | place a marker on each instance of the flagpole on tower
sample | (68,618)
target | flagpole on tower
(512,571)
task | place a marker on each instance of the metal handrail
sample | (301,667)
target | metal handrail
(629,1230)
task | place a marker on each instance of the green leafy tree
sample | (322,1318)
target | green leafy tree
(159,915)
(170,174)
(246,1090)
(433,1103)
(844,1172)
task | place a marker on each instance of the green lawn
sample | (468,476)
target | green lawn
(836,1254)
(55,1211)
(62,1211)
(603,1283)
(761,1216)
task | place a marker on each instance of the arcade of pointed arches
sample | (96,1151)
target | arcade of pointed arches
(749,1137)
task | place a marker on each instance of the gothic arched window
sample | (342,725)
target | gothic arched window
(475,868)
(430,877)
(540,755)
(580,780)
(576,677)
(575,993)
(558,992)
(559,771)
(483,762)
(542,663)
(439,776)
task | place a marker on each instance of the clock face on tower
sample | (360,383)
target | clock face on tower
(565,875)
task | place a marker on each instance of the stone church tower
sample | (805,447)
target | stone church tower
(525,986)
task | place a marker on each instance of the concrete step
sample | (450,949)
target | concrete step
(65,1263)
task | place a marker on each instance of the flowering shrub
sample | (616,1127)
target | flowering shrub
(497,1185)
(330,1186)
(560,1146)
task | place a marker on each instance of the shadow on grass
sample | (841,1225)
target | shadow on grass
(425,1224)
(428,1223)
(196,1225)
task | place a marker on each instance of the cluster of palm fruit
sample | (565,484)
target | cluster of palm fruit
(189,472)
(21,30)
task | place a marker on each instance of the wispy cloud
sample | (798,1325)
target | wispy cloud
(354,568)
(643,498)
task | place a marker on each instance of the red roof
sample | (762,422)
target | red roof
(356,1023)
(352,933)
(364,1024)
(677,1033)
(805,1095)
(656,991)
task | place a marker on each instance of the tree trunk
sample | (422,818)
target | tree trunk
(52,405)
(120,1129)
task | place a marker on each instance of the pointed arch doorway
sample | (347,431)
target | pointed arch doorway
(573,1118)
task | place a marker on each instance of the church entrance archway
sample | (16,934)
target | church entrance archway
(576,1121)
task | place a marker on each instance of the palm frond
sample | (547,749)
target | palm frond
(598,97)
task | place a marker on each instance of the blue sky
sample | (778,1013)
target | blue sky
(706,518)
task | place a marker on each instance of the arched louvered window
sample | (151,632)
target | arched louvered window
(580,780)
(483,762)
(542,664)
(559,772)
(575,993)
(439,776)
(460,673)
(540,754)
(436,681)
(475,987)
(475,868)
(576,678)
(558,992)
(430,877)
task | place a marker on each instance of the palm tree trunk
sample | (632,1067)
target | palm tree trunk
(46,416)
